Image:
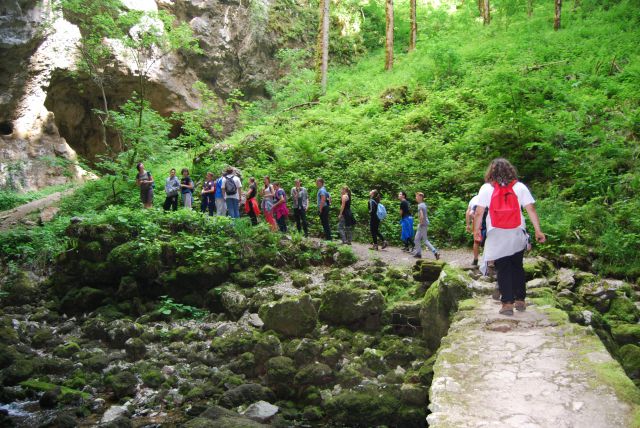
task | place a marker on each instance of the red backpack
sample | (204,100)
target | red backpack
(504,208)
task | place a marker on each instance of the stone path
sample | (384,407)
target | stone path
(10,218)
(534,369)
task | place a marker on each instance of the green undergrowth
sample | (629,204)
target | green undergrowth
(11,199)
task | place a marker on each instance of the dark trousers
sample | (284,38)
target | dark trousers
(324,219)
(374,226)
(282,223)
(511,278)
(208,203)
(170,202)
(300,214)
(253,216)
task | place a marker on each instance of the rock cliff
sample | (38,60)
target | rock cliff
(46,118)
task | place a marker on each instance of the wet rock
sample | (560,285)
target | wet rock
(303,351)
(626,333)
(245,394)
(63,420)
(49,399)
(113,413)
(280,372)
(353,308)
(630,356)
(20,370)
(403,317)
(135,349)
(293,317)
(261,411)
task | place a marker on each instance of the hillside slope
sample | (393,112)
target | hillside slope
(562,106)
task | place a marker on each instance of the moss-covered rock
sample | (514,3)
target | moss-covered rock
(626,333)
(266,347)
(153,378)
(140,259)
(42,337)
(292,317)
(233,302)
(280,372)
(630,357)
(135,348)
(268,273)
(67,349)
(622,309)
(81,300)
(245,278)
(19,371)
(245,394)
(538,267)
(19,288)
(303,351)
(8,335)
(440,302)
(427,270)
(353,308)
(403,317)
(122,384)
(366,408)
(7,355)
(234,343)
(314,374)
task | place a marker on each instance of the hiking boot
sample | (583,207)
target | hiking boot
(475,262)
(507,309)
(418,256)
(520,305)
(437,256)
(405,249)
(385,244)
(374,247)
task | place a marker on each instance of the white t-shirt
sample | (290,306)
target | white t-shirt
(473,202)
(522,192)
(238,186)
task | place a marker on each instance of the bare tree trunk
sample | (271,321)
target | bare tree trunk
(322,48)
(529,8)
(414,26)
(388,65)
(486,17)
(556,19)
(481,8)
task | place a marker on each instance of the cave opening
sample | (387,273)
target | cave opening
(6,128)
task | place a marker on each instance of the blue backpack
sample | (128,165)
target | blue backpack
(381,212)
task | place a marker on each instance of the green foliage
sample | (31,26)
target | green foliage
(169,307)
(10,199)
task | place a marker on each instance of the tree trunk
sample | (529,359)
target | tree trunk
(556,19)
(529,8)
(388,65)
(322,48)
(414,26)
(486,17)
(481,8)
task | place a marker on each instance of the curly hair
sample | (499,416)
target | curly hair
(500,171)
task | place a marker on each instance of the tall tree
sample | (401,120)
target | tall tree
(388,64)
(556,19)
(529,8)
(486,9)
(481,8)
(322,48)
(414,26)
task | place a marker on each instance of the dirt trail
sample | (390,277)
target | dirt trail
(459,257)
(12,217)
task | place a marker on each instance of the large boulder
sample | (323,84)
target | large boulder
(440,302)
(599,294)
(246,394)
(292,317)
(352,307)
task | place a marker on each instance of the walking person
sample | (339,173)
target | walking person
(346,221)
(186,188)
(280,210)
(172,189)
(232,192)
(268,195)
(324,202)
(250,204)
(406,223)
(144,180)
(300,200)
(207,195)
(469,219)
(423,227)
(504,196)
(221,205)
(374,219)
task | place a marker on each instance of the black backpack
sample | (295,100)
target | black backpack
(230,187)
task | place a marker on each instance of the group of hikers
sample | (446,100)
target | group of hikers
(494,216)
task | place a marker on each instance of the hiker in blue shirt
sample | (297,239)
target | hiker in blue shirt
(324,202)
(221,205)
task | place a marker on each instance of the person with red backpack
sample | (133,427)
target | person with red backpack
(507,238)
